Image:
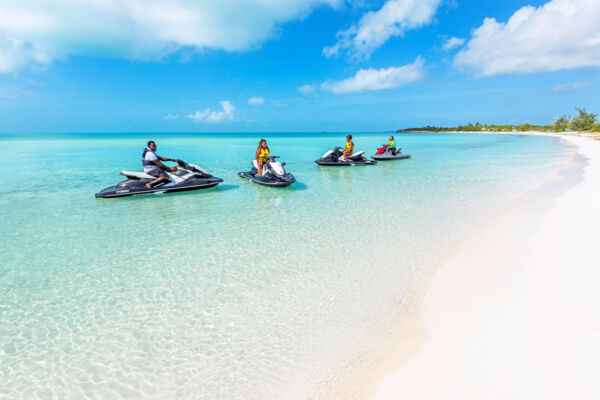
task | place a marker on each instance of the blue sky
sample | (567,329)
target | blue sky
(307,65)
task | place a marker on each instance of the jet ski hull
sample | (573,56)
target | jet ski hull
(364,162)
(380,157)
(267,182)
(137,187)
(338,163)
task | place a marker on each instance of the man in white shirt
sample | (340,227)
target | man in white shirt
(153,166)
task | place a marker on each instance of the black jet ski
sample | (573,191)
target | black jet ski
(386,152)
(187,177)
(335,157)
(359,159)
(273,173)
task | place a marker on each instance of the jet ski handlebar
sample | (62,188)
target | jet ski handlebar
(271,157)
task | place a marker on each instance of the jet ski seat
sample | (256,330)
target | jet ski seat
(137,175)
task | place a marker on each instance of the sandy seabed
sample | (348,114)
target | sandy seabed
(515,312)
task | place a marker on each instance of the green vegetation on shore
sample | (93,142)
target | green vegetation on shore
(583,122)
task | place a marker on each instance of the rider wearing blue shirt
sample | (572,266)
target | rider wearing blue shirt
(153,166)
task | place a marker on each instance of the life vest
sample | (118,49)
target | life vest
(148,163)
(349,146)
(392,143)
(263,154)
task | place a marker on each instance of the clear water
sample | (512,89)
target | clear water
(235,292)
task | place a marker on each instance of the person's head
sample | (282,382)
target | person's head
(391,138)
(263,144)
(152,145)
(348,138)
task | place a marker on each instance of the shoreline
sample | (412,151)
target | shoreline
(484,339)
(402,336)
(593,135)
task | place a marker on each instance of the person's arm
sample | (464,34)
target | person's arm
(166,159)
(159,164)
(163,166)
(257,153)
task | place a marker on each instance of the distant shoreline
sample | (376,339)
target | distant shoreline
(594,135)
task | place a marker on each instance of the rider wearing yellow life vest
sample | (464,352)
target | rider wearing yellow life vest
(261,155)
(391,143)
(349,148)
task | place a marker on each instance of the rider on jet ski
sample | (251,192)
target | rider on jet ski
(349,148)
(153,166)
(261,155)
(391,143)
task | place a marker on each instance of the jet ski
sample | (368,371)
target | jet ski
(335,157)
(359,159)
(187,177)
(387,153)
(273,173)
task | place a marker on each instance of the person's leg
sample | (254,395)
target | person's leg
(156,181)
(260,165)
(345,154)
(161,177)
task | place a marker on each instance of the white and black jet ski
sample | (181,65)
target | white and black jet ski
(335,157)
(273,173)
(187,177)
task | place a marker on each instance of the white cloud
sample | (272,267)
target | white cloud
(561,34)
(171,117)
(256,101)
(376,27)
(15,53)
(39,31)
(307,89)
(571,86)
(453,42)
(378,79)
(214,117)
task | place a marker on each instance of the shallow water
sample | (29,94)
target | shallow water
(235,292)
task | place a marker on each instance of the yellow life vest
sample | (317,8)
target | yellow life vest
(392,143)
(263,154)
(349,146)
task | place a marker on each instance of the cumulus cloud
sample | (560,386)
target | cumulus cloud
(307,89)
(378,79)
(15,53)
(39,31)
(561,34)
(453,42)
(256,101)
(571,86)
(170,117)
(376,27)
(214,117)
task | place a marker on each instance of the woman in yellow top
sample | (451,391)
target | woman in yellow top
(261,155)
(391,143)
(349,148)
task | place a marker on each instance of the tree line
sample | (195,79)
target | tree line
(583,122)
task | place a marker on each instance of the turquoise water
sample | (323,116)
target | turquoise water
(235,292)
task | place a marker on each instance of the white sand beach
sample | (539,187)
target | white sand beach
(514,313)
